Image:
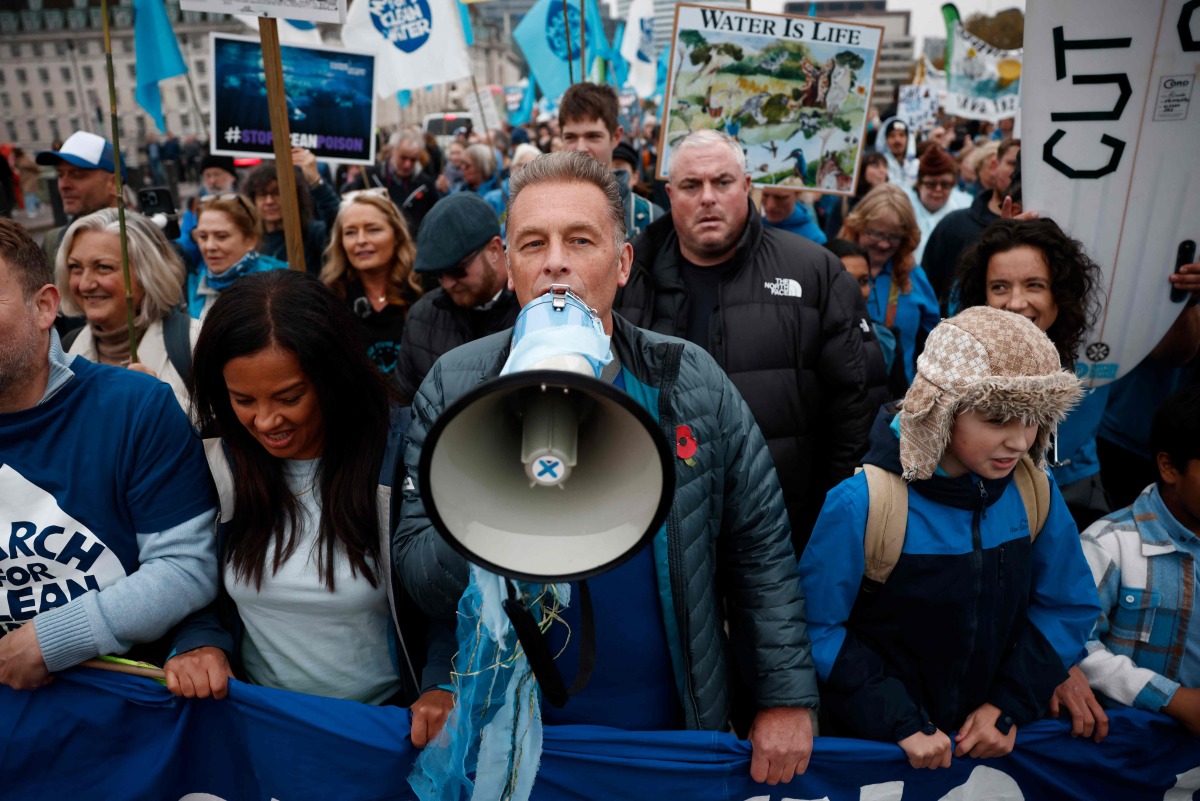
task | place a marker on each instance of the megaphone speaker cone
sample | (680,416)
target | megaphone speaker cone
(546,476)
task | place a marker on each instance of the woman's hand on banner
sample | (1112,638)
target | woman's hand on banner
(1011,210)
(200,673)
(429,713)
(931,751)
(21,664)
(1187,279)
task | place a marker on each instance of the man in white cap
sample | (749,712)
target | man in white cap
(86,180)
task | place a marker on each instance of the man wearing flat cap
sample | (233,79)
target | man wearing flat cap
(459,243)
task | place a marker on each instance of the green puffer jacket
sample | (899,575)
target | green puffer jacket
(725,550)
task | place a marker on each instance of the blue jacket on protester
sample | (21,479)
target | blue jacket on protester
(973,613)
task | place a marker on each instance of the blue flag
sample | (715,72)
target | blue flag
(545,39)
(597,43)
(525,113)
(664,66)
(404,97)
(620,67)
(464,14)
(157,53)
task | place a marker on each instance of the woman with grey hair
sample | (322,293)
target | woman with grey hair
(481,176)
(90,280)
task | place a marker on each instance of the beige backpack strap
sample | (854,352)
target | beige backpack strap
(887,520)
(1034,486)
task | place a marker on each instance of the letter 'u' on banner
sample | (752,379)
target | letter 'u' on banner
(416,43)
(1109,151)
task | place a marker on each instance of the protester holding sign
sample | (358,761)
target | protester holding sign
(89,278)
(227,231)
(369,265)
(305,457)
(103,490)
(318,204)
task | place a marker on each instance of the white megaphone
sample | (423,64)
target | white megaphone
(547,473)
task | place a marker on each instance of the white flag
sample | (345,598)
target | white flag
(637,47)
(304,34)
(416,43)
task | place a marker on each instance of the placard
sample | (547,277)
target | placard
(311,10)
(918,106)
(793,90)
(1109,152)
(330,100)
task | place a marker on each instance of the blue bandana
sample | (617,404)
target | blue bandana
(222,281)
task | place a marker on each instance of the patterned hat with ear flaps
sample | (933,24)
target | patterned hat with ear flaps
(990,361)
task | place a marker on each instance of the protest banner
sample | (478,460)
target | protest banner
(330,102)
(488,108)
(982,82)
(1110,153)
(793,90)
(310,10)
(417,43)
(918,107)
(93,734)
(514,96)
(629,111)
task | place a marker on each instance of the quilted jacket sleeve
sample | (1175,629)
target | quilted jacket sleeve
(843,373)
(757,563)
(429,569)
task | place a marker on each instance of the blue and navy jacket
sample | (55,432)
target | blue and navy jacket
(973,613)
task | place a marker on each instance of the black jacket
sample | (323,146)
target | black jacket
(787,332)
(414,196)
(435,326)
(957,231)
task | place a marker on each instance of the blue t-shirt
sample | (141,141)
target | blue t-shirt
(110,455)
(632,686)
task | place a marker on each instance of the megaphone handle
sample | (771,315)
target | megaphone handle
(537,651)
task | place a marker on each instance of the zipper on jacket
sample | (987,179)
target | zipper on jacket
(977,572)
(674,549)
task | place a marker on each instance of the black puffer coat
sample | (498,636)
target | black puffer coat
(788,332)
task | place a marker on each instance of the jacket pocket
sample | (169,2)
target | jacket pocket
(1133,617)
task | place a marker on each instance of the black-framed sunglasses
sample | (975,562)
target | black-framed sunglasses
(460,272)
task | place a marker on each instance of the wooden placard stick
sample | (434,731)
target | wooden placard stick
(281,136)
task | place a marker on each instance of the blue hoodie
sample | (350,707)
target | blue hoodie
(802,223)
(973,613)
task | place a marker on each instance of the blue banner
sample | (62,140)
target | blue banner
(92,734)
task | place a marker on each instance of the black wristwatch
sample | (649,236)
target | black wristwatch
(1004,724)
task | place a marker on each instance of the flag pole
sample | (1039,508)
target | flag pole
(567,31)
(583,70)
(116,139)
(268,33)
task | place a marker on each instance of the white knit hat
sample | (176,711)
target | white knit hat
(987,360)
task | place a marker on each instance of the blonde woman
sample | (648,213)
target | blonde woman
(227,232)
(901,297)
(369,265)
(91,283)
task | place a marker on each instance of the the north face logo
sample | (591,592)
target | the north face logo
(786,287)
(864,325)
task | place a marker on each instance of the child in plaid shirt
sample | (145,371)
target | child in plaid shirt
(1145,649)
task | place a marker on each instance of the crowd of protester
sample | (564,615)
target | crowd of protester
(925,328)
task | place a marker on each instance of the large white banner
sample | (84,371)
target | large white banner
(1111,152)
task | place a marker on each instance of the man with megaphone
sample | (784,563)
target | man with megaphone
(710,591)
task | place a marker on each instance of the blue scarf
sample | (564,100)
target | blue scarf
(222,281)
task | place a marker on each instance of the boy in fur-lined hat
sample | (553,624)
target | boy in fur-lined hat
(984,600)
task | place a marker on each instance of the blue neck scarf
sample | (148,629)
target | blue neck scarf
(222,281)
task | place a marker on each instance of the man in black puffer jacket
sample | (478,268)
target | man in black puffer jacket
(778,313)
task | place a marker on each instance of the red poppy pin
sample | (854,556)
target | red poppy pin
(685,445)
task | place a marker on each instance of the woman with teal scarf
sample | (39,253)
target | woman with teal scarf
(227,234)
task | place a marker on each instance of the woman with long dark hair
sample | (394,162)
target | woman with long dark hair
(1033,268)
(306,452)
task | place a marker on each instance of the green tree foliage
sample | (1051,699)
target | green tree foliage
(1005,30)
